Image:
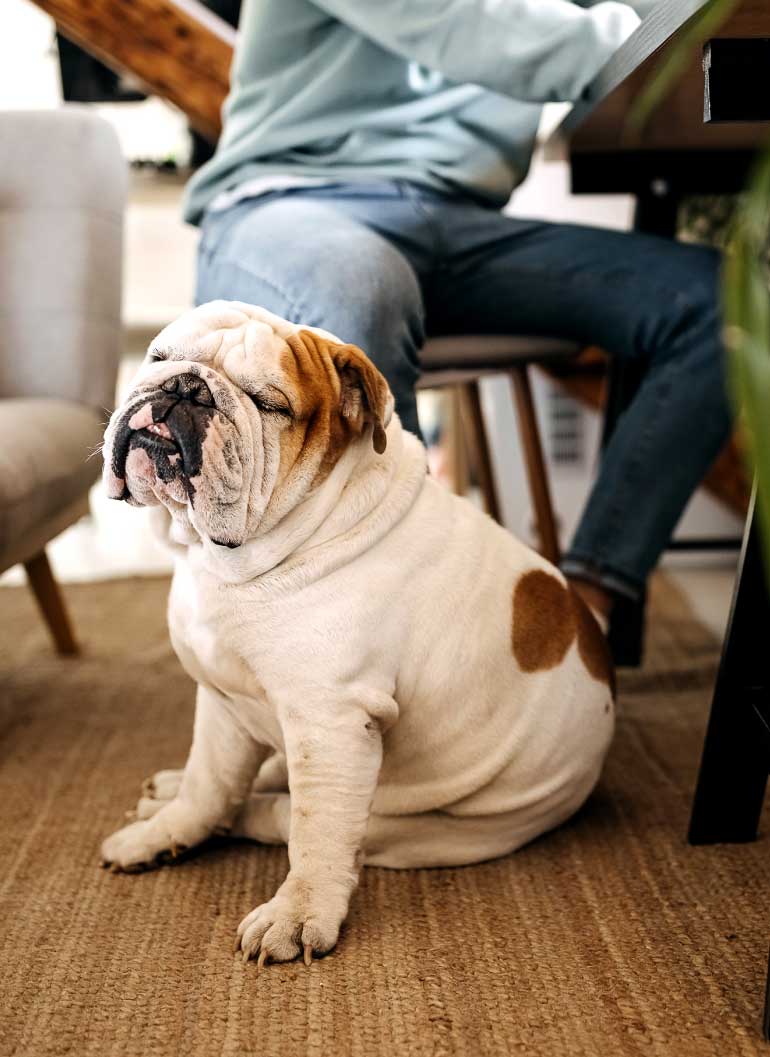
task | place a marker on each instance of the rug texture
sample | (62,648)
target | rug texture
(608,937)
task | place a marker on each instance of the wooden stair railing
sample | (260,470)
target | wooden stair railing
(178,49)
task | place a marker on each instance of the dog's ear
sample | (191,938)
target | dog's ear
(365,396)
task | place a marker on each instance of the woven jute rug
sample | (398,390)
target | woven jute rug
(608,937)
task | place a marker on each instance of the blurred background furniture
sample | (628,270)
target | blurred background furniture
(460,361)
(63,186)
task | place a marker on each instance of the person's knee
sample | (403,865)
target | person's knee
(310,264)
(695,295)
(363,290)
(684,322)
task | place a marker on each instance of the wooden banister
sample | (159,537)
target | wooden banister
(179,49)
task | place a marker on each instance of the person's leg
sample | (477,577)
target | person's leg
(306,260)
(635,296)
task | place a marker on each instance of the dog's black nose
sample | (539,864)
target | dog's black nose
(189,387)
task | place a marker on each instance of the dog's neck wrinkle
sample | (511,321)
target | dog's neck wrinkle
(354,528)
(322,521)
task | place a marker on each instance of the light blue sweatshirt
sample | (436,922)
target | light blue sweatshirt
(446,93)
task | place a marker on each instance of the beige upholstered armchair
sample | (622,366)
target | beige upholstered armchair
(62,193)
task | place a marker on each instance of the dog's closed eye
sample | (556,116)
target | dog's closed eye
(273,402)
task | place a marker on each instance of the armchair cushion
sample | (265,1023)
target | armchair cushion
(63,186)
(44,466)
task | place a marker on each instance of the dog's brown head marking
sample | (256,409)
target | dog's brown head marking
(547,618)
(339,392)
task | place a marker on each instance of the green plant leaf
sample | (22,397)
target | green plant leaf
(747,331)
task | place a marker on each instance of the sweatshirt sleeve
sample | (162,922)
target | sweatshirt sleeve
(642,7)
(532,50)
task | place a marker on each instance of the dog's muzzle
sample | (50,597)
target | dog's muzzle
(170,426)
(189,387)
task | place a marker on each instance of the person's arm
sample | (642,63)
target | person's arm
(533,50)
(642,7)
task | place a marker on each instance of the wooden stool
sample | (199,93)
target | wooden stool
(460,362)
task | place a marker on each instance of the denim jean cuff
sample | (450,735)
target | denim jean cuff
(609,580)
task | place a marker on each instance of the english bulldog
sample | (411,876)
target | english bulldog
(385,675)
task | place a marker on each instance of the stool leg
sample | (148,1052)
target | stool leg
(479,444)
(534,463)
(457,459)
(49,599)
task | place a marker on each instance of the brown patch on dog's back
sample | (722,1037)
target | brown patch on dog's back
(543,621)
(547,617)
(593,646)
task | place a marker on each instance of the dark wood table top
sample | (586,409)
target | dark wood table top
(598,124)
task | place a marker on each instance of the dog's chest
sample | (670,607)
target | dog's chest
(215,639)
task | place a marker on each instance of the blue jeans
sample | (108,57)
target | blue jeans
(380,264)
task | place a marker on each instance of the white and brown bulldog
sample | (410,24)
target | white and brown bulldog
(385,675)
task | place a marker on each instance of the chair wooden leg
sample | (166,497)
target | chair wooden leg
(534,462)
(479,444)
(49,599)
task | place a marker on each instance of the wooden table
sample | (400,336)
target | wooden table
(679,153)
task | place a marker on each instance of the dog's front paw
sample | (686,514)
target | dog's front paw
(302,917)
(141,846)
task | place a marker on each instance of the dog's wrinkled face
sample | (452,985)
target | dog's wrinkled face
(235,416)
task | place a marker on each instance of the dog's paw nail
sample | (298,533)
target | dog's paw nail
(130,816)
(263,956)
(237,945)
(246,956)
(307,954)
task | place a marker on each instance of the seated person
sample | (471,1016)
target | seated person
(368,148)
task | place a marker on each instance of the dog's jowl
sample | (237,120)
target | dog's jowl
(385,675)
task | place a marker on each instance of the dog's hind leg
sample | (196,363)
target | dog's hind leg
(436,838)
(164,786)
(157,791)
(264,817)
(273,775)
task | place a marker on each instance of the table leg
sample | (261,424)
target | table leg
(734,767)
